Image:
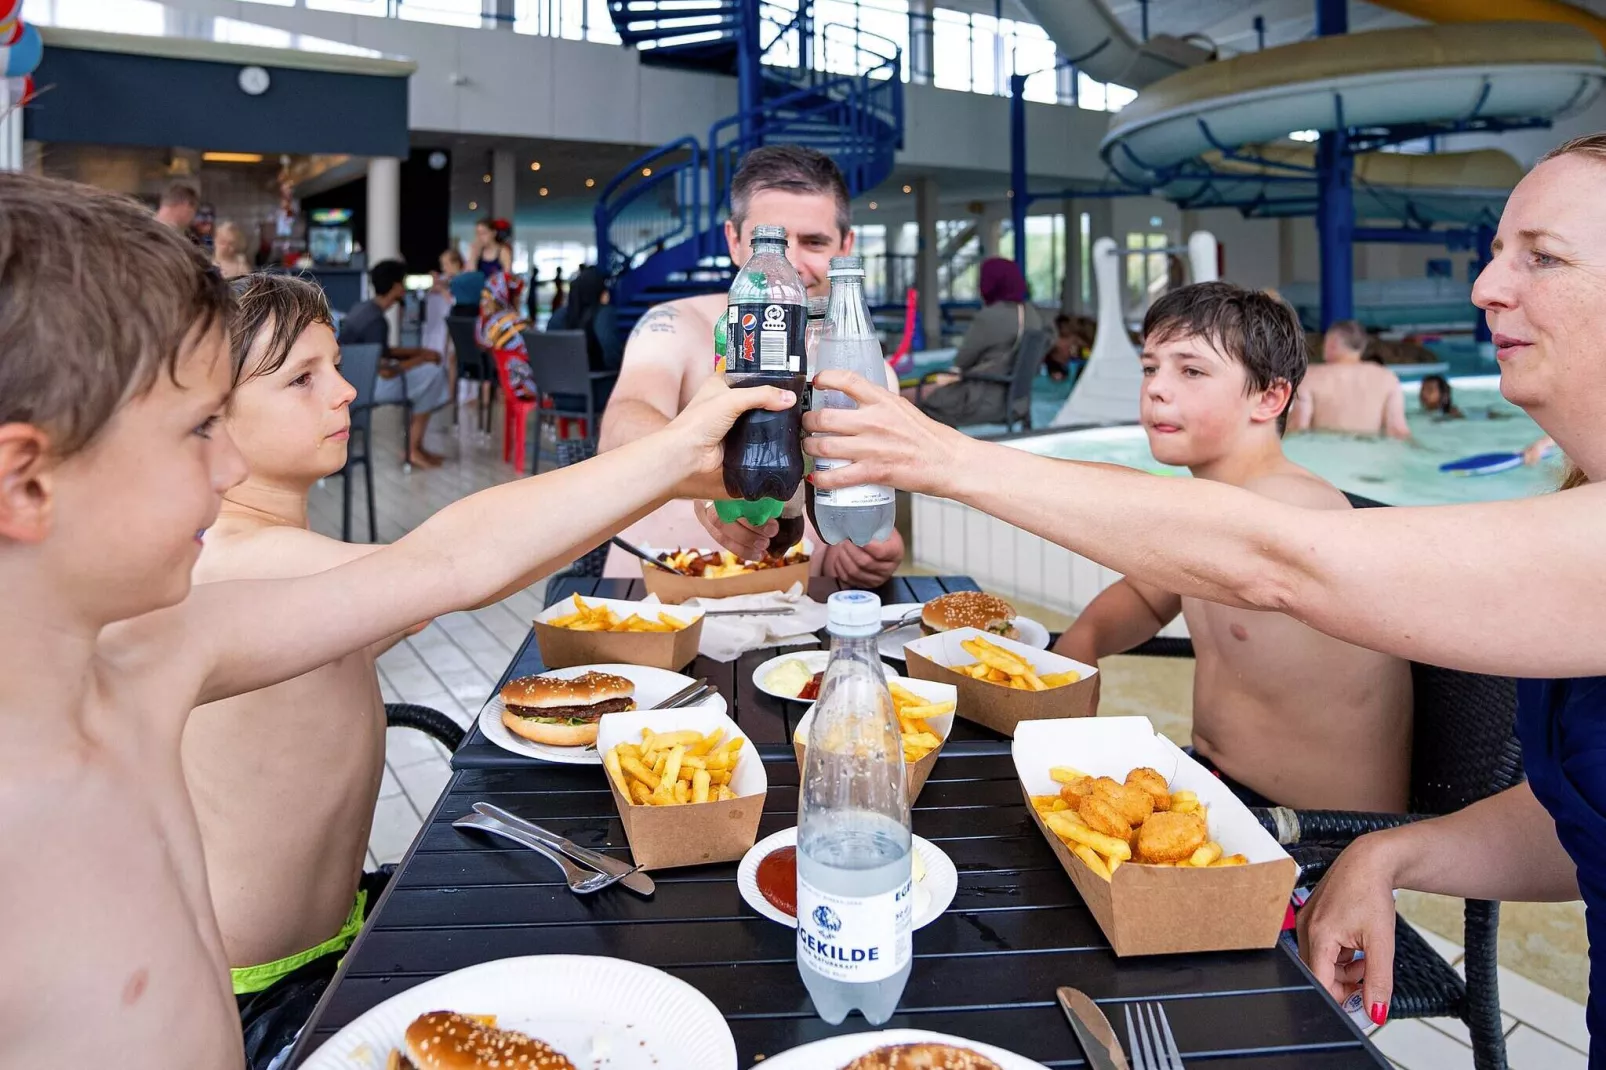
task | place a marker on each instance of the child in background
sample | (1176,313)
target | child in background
(1435,398)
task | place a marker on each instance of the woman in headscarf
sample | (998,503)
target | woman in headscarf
(988,349)
(500,328)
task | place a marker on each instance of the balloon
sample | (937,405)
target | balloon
(23,57)
(10,32)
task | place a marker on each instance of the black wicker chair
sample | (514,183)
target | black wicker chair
(1463,749)
(432,722)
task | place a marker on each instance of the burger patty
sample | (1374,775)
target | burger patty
(574,713)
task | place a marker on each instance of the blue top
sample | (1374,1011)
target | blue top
(466,286)
(490,267)
(1562,727)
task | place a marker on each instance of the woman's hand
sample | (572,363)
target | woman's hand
(889,441)
(699,431)
(1352,911)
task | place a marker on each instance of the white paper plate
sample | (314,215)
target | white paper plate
(816,661)
(891,645)
(652,687)
(932,895)
(835,1052)
(596,1010)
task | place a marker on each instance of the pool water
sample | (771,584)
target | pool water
(1385,470)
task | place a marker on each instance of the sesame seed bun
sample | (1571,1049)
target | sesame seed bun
(564,713)
(445,1040)
(969,609)
(922,1057)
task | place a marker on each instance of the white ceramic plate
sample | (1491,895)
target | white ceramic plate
(891,645)
(652,687)
(814,659)
(595,1010)
(839,1051)
(932,895)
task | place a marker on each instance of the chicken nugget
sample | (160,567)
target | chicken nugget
(1076,789)
(1145,779)
(1102,817)
(1133,804)
(1171,837)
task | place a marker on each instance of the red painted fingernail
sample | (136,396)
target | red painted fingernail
(1380,1013)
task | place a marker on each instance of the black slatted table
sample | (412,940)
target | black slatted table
(986,969)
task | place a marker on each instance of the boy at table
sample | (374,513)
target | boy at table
(1275,704)
(113,462)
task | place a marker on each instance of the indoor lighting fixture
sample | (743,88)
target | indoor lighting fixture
(543,191)
(535,165)
(472,205)
(908,189)
(872,206)
(646,172)
(232,157)
(486,178)
(590,182)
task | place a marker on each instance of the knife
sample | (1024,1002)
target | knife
(1093,1030)
(633,878)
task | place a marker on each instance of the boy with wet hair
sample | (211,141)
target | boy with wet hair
(113,463)
(1282,712)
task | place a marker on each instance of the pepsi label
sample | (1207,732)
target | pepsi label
(765,338)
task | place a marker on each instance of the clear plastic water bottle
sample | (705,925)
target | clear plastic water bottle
(849,342)
(854,893)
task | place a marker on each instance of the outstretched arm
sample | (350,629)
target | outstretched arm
(1415,582)
(252,634)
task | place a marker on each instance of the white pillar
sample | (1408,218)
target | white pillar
(10,131)
(1070,288)
(384,222)
(921,33)
(504,176)
(926,260)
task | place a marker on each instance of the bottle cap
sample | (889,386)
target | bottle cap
(818,307)
(845,266)
(769,232)
(853,613)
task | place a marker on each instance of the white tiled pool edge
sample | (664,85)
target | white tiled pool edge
(954,539)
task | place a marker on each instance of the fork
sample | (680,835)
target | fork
(582,880)
(1151,1043)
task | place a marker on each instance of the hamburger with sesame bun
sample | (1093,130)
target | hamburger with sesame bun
(922,1057)
(564,713)
(445,1040)
(969,609)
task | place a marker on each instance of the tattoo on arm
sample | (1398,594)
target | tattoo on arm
(660,320)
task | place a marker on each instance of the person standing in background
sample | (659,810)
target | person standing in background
(463,285)
(178,206)
(491,254)
(229,249)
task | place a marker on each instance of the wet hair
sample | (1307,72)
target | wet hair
(181,193)
(385,275)
(1350,333)
(1253,327)
(1443,384)
(1593,146)
(97,298)
(273,311)
(791,169)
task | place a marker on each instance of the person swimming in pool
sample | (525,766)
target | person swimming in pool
(1435,397)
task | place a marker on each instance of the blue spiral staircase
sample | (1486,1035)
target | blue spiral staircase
(830,87)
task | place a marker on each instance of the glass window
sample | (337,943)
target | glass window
(468,13)
(1084,252)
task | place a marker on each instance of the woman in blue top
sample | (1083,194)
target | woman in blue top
(1513,587)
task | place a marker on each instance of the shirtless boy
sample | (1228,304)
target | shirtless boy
(670,354)
(112,464)
(1279,709)
(1346,393)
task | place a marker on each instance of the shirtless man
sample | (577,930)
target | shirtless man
(112,464)
(1281,710)
(1346,393)
(670,354)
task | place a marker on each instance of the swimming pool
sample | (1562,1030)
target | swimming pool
(952,538)
(1397,473)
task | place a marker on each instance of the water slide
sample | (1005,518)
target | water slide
(1209,134)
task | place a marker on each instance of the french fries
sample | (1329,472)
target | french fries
(600,618)
(718,564)
(918,738)
(995,665)
(1103,853)
(674,768)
